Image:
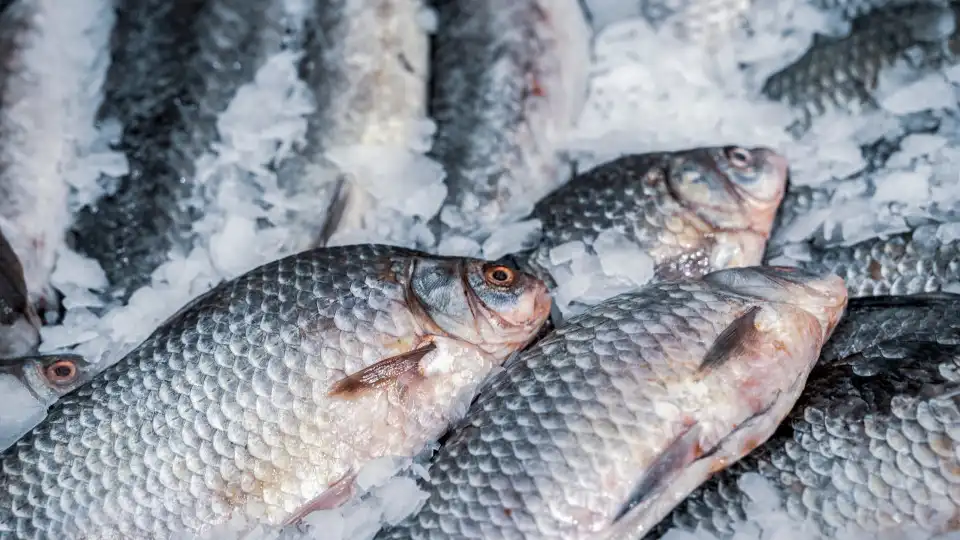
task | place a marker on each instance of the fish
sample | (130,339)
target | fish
(905,263)
(19,321)
(508,80)
(174,67)
(34,146)
(868,448)
(842,73)
(692,211)
(603,426)
(270,391)
(31,384)
(366,64)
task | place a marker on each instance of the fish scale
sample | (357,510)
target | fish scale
(869,448)
(233,400)
(583,421)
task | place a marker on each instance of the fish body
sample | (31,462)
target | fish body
(365,63)
(509,78)
(600,428)
(869,449)
(693,211)
(34,143)
(269,390)
(843,73)
(912,262)
(174,67)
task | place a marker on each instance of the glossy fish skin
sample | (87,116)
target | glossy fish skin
(269,389)
(635,399)
(509,78)
(33,194)
(175,66)
(365,61)
(843,72)
(906,263)
(693,211)
(870,448)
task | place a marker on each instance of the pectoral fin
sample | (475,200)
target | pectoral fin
(729,344)
(334,496)
(378,375)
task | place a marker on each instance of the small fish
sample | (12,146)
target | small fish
(175,66)
(34,144)
(366,64)
(843,72)
(19,322)
(905,263)
(692,211)
(31,384)
(603,426)
(869,449)
(508,79)
(274,388)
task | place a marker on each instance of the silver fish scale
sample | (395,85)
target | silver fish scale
(905,263)
(869,446)
(643,211)
(223,403)
(548,438)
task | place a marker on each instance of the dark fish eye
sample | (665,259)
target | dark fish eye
(499,276)
(61,372)
(741,158)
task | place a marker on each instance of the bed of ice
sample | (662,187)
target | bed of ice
(693,80)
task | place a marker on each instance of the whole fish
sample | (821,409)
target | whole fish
(19,322)
(34,140)
(366,65)
(264,396)
(175,66)
(31,384)
(692,211)
(869,448)
(508,80)
(906,263)
(602,427)
(842,73)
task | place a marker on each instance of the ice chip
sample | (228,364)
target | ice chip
(512,238)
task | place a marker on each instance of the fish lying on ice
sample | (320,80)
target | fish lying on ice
(32,384)
(603,426)
(869,449)
(905,263)
(692,211)
(365,62)
(270,390)
(508,79)
(175,66)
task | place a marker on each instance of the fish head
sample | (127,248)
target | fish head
(50,376)
(822,295)
(493,306)
(731,188)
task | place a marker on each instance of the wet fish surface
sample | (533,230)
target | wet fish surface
(508,79)
(599,429)
(906,263)
(175,66)
(31,384)
(869,448)
(271,389)
(366,63)
(841,73)
(33,195)
(692,211)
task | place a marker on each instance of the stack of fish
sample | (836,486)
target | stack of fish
(621,415)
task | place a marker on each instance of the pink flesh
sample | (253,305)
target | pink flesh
(337,494)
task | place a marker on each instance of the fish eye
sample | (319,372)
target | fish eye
(499,276)
(61,372)
(741,158)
